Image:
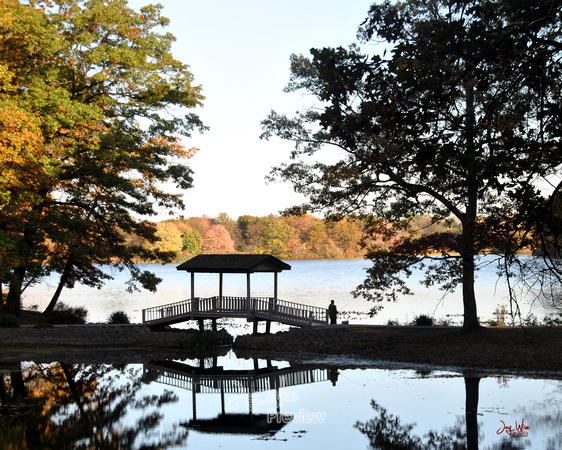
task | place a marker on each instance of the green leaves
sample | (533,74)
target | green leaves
(457,111)
(91,83)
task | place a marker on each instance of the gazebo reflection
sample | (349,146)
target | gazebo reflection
(215,379)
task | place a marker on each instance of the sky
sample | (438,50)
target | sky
(239,52)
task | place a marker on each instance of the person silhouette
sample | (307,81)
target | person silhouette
(332,312)
(333,375)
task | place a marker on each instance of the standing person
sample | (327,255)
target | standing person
(332,312)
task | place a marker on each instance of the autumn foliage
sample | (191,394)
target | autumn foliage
(286,237)
(87,140)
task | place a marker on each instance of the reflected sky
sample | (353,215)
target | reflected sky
(339,407)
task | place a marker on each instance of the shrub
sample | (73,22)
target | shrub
(9,321)
(118,317)
(422,321)
(552,321)
(64,314)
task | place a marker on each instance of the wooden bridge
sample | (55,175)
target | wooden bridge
(254,309)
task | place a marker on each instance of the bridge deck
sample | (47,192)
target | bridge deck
(255,308)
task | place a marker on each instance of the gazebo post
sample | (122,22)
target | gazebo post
(193,306)
(248,293)
(220,289)
(275,277)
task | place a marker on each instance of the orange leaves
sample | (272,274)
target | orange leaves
(190,153)
(21,148)
(173,145)
(18,130)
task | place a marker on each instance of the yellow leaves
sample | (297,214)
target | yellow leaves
(18,129)
(21,148)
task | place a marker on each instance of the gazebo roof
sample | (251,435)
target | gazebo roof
(244,263)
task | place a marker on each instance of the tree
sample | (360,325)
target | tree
(231,226)
(192,242)
(90,98)
(169,238)
(346,234)
(217,240)
(274,239)
(251,228)
(459,115)
(541,274)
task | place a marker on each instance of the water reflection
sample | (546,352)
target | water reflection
(213,378)
(248,403)
(79,406)
(387,431)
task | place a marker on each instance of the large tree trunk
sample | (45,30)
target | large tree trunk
(468,296)
(13,300)
(468,247)
(64,276)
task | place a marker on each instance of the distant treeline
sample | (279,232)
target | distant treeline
(286,237)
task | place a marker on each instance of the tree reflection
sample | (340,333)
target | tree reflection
(387,432)
(81,406)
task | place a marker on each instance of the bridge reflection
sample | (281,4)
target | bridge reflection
(218,380)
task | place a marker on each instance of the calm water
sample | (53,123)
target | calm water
(331,403)
(310,282)
(318,404)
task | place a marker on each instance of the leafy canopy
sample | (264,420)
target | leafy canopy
(92,104)
(458,115)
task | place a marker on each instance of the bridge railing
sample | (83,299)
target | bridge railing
(289,310)
(265,306)
(168,310)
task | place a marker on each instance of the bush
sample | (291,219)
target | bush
(118,317)
(64,314)
(9,321)
(552,321)
(423,321)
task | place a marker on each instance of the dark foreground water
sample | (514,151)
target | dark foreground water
(244,403)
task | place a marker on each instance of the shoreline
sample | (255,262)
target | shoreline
(532,351)
(499,349)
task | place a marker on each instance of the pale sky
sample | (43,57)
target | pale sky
(239,52)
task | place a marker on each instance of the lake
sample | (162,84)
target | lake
(238,402)
(242,403)
(310,282)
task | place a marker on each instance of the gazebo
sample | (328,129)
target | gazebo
(235,263)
